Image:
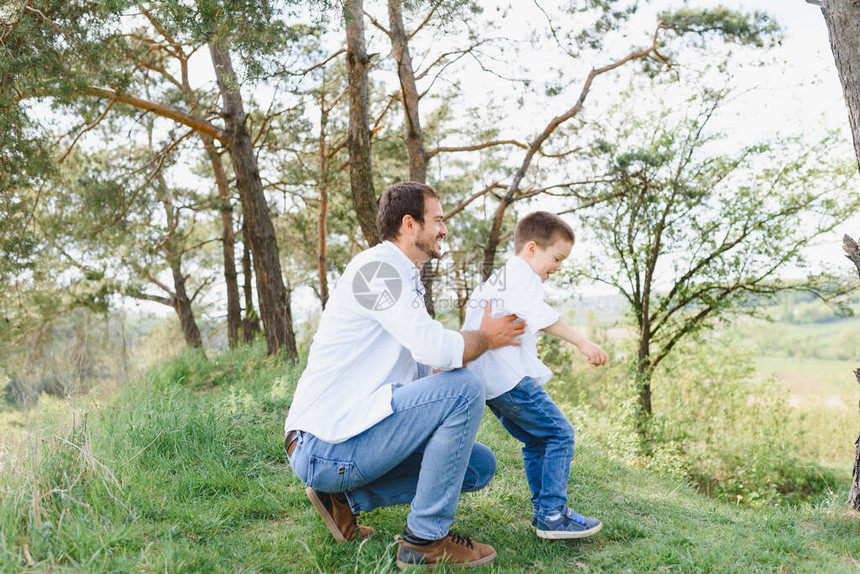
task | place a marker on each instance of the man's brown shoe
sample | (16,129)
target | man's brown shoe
(338,516)
(454,550)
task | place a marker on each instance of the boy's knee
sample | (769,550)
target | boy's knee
(567,436)
(569,433)
(481,468)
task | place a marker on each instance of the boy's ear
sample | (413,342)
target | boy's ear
(530,247)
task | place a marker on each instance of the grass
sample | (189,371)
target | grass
(185,472)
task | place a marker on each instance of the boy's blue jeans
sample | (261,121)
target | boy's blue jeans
(531,416)
(424,453)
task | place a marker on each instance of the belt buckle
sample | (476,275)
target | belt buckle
(290,441)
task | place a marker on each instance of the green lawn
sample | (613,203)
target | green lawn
(184,472)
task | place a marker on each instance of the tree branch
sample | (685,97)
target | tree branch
(154,280)
(197,124)
(206,282)
(463,204)
(424,23)
(87,128)
(475,147)
(157,298)
(320,65)
(378,25)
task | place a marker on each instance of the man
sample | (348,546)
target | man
(369,426)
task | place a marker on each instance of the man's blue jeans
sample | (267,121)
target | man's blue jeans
(531,416)
(424,453)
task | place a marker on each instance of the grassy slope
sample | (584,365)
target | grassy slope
(186,473)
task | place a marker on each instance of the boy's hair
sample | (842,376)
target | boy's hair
(542,227)
(399,200)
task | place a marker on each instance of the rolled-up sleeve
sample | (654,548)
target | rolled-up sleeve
(427,340)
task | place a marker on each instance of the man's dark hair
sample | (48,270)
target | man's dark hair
(542,227)
(399,200)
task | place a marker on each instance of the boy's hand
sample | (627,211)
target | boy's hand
(594,354)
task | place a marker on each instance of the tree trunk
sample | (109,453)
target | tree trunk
(273,297)
(178,297)
(852,251)
(228,242)
(360,167)
(182,304)
(843,25)
(412,132)
(322,216)
(413,135)
(854,494)
(643,381)
(250,322)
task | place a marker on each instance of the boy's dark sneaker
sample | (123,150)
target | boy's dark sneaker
(454,550)
(338,516)
(568,525)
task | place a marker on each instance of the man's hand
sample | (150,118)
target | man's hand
(492,334)
(594,354)
(502,331)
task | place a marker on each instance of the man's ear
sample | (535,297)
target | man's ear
(407,224)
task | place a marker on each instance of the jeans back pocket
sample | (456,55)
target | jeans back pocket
(332,475)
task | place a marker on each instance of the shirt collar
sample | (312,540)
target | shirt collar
(406,265)
(516,260)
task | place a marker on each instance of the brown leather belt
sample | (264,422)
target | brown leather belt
(290,442)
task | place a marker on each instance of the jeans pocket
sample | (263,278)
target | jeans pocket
(332,475)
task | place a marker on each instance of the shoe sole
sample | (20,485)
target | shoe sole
(453,565)
(327,518)
(567,535)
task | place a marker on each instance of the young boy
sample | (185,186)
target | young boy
(514,376)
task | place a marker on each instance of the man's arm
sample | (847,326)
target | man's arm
(493,333)
(593,353)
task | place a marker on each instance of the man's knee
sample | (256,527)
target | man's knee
(472,385)
(481,468)
(467,385)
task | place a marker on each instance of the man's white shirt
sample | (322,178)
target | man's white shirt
(375,332)
(512,289)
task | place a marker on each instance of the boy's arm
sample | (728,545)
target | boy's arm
(593,353)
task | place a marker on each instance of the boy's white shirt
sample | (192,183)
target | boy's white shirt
(513,289)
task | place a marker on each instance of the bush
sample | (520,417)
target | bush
(739,437)
(713,423)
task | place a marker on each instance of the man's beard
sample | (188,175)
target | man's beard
(430,249)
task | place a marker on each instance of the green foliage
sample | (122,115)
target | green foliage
(738,437)
(691,233)
(730,25)
(715,423)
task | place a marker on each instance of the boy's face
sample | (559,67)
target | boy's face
(547,261)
